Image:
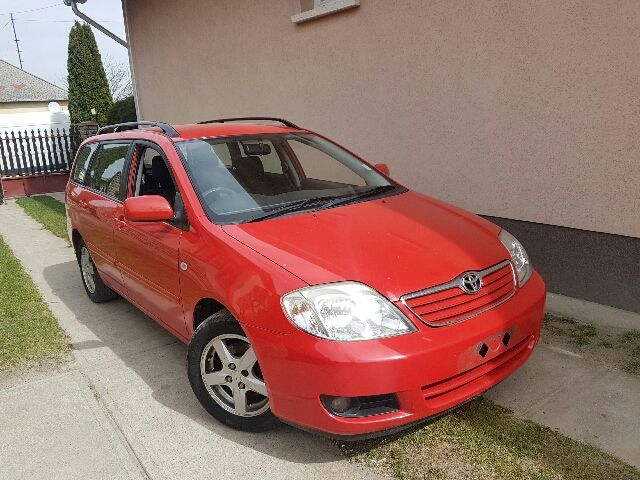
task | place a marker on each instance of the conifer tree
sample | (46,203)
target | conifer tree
(88,86)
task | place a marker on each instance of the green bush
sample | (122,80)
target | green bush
(122,111)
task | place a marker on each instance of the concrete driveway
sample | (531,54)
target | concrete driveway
(123,408)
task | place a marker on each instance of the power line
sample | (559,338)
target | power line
(13,25)
(15,36)
(34,9)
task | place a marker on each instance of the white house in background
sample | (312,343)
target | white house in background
(30,103)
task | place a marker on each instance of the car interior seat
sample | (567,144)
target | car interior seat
(251,173)
(162,182)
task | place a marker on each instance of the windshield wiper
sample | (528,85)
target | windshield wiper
(317,203)
(358,196)
(291,207)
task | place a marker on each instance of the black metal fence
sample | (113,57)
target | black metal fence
(37,151)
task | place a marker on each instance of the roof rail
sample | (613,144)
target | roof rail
(239,119)
(119,127)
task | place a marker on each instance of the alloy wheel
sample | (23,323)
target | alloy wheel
(232,376)
(88,270)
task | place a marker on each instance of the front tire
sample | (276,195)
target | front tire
(96,290)
(226,377)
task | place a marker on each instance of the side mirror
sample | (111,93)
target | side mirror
(147,208)
(382,168)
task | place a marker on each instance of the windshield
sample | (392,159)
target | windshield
(252,178)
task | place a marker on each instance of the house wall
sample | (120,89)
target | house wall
(32,115)
(519,110)
(21,117)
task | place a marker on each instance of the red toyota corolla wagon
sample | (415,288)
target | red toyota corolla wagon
(309,286)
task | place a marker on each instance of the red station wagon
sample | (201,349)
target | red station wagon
(309,286)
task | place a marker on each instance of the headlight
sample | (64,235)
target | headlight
(345,311)
(518,256)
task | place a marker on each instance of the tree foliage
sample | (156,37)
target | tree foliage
(88,86)
(122,111)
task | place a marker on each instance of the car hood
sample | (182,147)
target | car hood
(396,245)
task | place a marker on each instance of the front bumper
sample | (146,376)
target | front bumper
(430,371)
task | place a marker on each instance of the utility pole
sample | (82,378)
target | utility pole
(15,37)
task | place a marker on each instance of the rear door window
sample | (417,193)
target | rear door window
(106,171)
(82,163)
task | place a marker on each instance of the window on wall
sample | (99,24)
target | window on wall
(310,9)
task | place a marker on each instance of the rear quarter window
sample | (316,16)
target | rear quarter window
(82,163)
(106,171)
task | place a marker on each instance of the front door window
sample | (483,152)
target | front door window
(152,175)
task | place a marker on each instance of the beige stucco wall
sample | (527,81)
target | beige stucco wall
(519,109)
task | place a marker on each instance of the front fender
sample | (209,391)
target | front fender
(246,283)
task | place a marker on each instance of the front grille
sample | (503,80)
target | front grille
(449,303)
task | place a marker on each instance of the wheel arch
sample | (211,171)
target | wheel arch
(75,238)
(204,309)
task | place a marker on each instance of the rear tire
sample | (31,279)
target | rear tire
(225,375)
(96,290)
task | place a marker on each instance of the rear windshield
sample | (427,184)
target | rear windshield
(252,178)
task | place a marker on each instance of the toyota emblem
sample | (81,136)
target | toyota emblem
(471,283)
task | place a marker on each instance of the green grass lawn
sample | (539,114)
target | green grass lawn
(48,211)
(485,441)
(28,330)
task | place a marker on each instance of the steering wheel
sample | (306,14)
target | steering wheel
(219,190)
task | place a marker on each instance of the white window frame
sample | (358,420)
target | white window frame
(322,8)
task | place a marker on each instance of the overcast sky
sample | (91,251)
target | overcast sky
(43,33)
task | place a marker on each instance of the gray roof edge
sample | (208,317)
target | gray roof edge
(63,95)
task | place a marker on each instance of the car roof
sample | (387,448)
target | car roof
(193,131)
